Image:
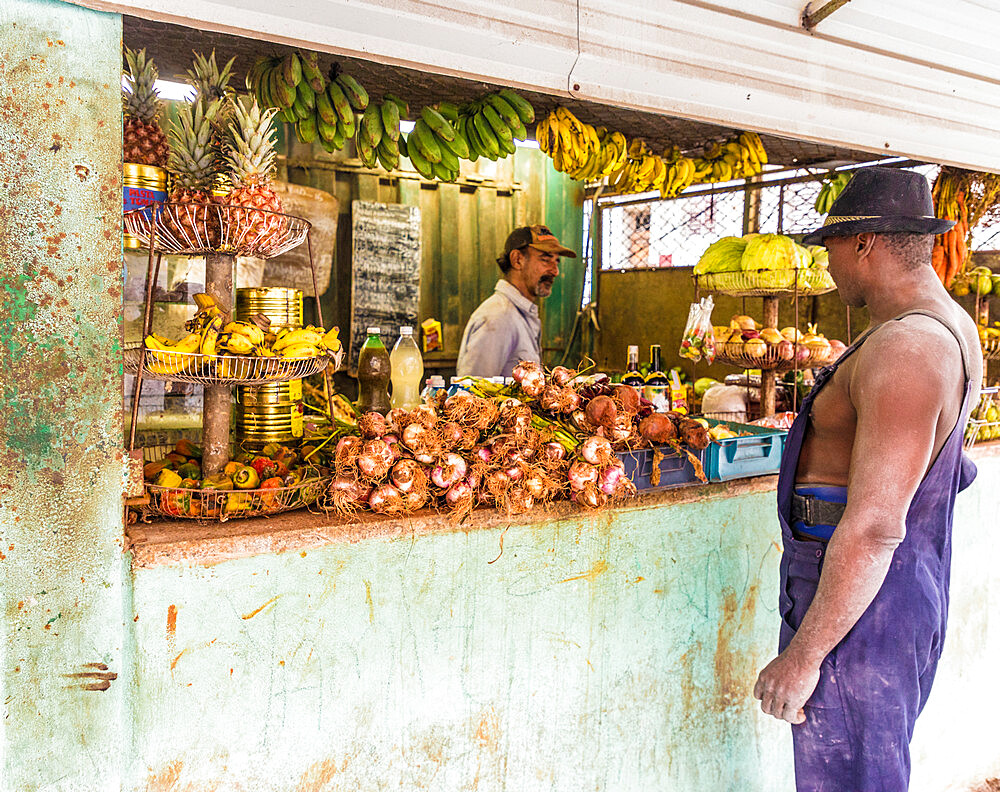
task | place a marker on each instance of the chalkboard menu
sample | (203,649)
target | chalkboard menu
(385,290)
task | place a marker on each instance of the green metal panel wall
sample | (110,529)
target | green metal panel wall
(464,228)
(61,573)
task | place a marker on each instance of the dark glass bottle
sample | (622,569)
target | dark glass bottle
(656,385)
(632,376)
(374,374)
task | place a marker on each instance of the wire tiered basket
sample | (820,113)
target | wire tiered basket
(804,281)
(161,364)
(220,232)
(801,358)
(193,229)
(770,284)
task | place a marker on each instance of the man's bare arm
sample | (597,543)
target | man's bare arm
(902,379)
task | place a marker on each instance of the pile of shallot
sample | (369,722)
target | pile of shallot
(545,438)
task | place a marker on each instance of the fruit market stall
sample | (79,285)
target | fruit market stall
(446,647)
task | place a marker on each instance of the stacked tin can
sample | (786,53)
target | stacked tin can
(142,185)
(269,413)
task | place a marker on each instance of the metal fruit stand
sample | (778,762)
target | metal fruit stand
(980,428)
(220,233)
(771,285)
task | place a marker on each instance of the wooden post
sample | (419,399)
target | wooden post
(218,398)
(767,380)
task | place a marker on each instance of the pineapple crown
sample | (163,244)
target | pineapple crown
(207,79)
(192,159)
(140,99)
(251,143)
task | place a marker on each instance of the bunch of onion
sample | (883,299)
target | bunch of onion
(397,420)
(345,456)
(422,439)
(410,478)
(372,425)
(598,475)
(530,376)
(346,495)
(375,460)
(556,399)
(471,411)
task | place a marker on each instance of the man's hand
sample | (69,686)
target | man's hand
(785,685)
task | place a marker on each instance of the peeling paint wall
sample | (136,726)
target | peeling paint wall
(60,380)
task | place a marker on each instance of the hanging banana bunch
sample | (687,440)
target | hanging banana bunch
(319,108)
(588,153)
(833,186)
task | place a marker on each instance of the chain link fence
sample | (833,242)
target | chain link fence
(674,233)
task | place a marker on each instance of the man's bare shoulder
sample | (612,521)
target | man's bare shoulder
(916,345)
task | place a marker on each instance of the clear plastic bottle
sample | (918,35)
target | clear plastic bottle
(407,370)
(433,385)
(373,375)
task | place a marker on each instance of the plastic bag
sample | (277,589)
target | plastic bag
(699,339)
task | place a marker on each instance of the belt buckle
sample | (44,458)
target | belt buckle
(808,516)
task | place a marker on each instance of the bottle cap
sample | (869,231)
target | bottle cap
(373,331)
(633,348)
(406,331)
(437,380)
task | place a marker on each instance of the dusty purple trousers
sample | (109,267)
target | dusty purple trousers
(875,682)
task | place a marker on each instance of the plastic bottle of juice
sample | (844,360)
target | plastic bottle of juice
(373,375)
(407,370)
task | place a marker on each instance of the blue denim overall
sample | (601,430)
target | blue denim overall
(875,682)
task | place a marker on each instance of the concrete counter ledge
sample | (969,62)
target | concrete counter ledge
(194,542)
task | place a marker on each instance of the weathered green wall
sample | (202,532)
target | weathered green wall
(611,652)
(61,569)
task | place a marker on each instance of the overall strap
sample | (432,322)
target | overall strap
(952,330)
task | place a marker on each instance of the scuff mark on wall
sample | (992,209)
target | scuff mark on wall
(598,569)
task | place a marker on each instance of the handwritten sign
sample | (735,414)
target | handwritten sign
(385,287)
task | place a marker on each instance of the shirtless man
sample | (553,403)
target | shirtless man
(866,496)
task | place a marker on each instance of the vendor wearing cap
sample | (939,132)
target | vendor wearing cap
(505,329)
(866,494)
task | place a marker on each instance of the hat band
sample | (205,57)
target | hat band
(831,219)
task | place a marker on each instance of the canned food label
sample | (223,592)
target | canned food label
(295,390)
(138,197)
(297,420)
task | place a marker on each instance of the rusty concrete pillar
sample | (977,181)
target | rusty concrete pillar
(61,564)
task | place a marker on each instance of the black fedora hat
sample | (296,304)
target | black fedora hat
(883,201)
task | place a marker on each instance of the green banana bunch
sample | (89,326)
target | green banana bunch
(493,122)
(437,142)
(320,109)
(831,189)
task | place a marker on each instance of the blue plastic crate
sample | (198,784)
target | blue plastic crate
(756,454)
(676,469)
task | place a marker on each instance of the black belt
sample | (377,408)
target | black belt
(815,511)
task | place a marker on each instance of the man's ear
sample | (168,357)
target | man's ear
(863,243)
(516,259)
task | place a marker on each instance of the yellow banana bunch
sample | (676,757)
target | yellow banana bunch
(739,158)
(160,357)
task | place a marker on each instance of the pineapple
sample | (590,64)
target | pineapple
(212,84)
(193,165)
(144,142)
(251,168)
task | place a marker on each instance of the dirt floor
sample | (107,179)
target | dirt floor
(991,785)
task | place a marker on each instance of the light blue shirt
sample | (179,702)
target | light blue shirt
(504,330)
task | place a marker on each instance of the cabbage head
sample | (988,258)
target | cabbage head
(724,255)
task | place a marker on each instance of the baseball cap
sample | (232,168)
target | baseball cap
(538,237)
